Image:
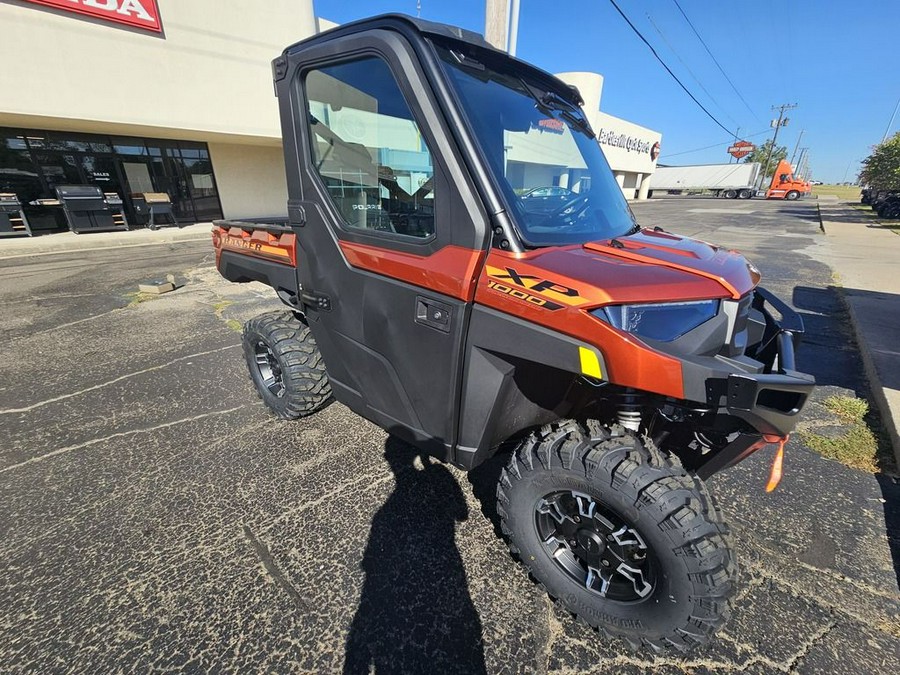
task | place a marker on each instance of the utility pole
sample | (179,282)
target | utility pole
(794,154)
(891,123)
(782,121)
(802,162)
(849,164)
(496,23)
(501,24)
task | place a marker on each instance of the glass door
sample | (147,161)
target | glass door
(101,171)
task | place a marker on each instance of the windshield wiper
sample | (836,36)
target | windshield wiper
(549,102)
(569,111)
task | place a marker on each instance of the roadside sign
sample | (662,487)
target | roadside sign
(741,149)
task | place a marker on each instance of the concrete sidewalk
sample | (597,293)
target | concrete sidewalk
(866,260)
(66,242)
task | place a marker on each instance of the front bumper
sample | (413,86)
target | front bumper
(762,387)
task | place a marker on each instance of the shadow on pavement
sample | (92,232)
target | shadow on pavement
(830,353)
(484,480)
(863,215)
(415,614)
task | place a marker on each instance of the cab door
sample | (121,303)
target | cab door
(391,236)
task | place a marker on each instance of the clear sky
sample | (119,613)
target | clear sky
(837,60)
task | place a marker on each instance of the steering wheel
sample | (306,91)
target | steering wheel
(570,209)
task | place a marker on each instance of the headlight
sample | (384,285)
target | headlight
(665,321)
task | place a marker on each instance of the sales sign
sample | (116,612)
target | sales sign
(143,14)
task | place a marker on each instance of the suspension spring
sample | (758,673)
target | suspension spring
(628,410)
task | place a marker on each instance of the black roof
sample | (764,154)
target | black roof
(398,22)
(415,28)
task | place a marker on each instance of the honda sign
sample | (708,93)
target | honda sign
(143,14)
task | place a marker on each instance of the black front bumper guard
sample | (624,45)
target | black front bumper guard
(770,401)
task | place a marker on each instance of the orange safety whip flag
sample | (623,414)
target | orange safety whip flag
(777,463)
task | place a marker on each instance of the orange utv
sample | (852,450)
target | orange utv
(615,368)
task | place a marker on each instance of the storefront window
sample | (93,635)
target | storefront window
(18,173)
(48,140)
(129,146)
(33,163)
(58,169)
(137,175)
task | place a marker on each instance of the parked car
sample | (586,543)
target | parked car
(546,199)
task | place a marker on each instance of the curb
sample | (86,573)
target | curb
(875,385)
(65,242)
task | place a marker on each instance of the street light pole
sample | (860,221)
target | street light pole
(736,134)
(513,26)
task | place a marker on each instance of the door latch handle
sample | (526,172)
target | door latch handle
(433,313)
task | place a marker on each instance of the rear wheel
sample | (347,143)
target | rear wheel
(792,195)
(285,365)
(745,194)
(619,534)
(731,194)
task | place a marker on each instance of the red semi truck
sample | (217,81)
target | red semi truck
(784,185)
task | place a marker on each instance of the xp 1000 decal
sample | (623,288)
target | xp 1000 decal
(508,281)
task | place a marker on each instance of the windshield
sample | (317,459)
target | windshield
(543,155)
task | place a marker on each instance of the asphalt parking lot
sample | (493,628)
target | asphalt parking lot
(154,517)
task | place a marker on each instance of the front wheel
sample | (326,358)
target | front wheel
(285,365)
(619,534)
(792,195)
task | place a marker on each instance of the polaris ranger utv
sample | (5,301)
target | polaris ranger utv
(427,291)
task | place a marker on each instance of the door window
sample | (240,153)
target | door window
(368,149)
(138,176)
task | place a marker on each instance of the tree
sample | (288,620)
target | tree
(760,152)
(881,169)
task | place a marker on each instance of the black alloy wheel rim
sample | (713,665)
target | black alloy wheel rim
(595,547)
(268,368)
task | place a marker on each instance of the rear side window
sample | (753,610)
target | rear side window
(368,150)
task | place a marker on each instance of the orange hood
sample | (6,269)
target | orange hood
(649,266)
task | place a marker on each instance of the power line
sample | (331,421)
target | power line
(688,68)
(669,70)
(714,145)
(718,65)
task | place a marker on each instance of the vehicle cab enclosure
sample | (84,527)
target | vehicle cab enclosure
(470,270)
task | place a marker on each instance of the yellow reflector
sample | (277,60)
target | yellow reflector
(590,364)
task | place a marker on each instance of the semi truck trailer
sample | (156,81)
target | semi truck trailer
(732,181)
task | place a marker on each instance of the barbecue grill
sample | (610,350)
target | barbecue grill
(12,216)
(87,209)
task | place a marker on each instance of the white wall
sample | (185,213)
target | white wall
(251,180)
(635,157)
(209,71)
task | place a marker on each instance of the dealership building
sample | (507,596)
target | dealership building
(176,97)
